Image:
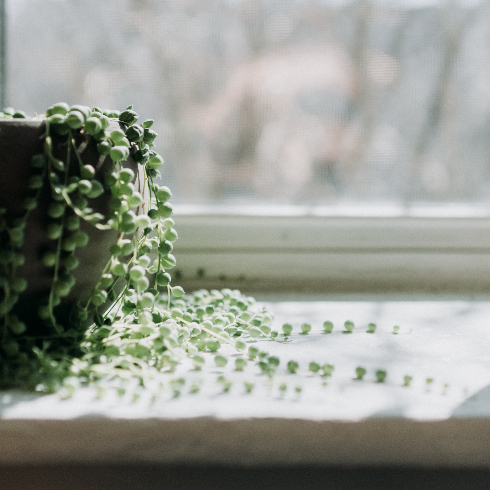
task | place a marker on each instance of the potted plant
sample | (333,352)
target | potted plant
(86,242)
(45,234)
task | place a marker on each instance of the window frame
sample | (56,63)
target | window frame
(291,250)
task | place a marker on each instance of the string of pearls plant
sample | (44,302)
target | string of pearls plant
(134,329)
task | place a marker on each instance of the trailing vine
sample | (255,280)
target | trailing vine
(133,329)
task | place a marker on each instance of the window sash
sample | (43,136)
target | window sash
(334,253)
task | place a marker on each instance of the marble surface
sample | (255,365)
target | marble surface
(442,340)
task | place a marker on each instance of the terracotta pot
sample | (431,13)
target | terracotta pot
(19,141)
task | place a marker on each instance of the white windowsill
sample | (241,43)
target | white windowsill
(344,423)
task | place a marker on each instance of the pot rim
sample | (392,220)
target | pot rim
(29,121)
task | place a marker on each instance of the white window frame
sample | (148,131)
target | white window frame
(293,250)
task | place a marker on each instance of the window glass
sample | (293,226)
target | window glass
(277,101)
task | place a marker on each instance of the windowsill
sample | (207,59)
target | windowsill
(346,422)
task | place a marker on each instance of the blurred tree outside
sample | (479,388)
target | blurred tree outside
(277,101)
